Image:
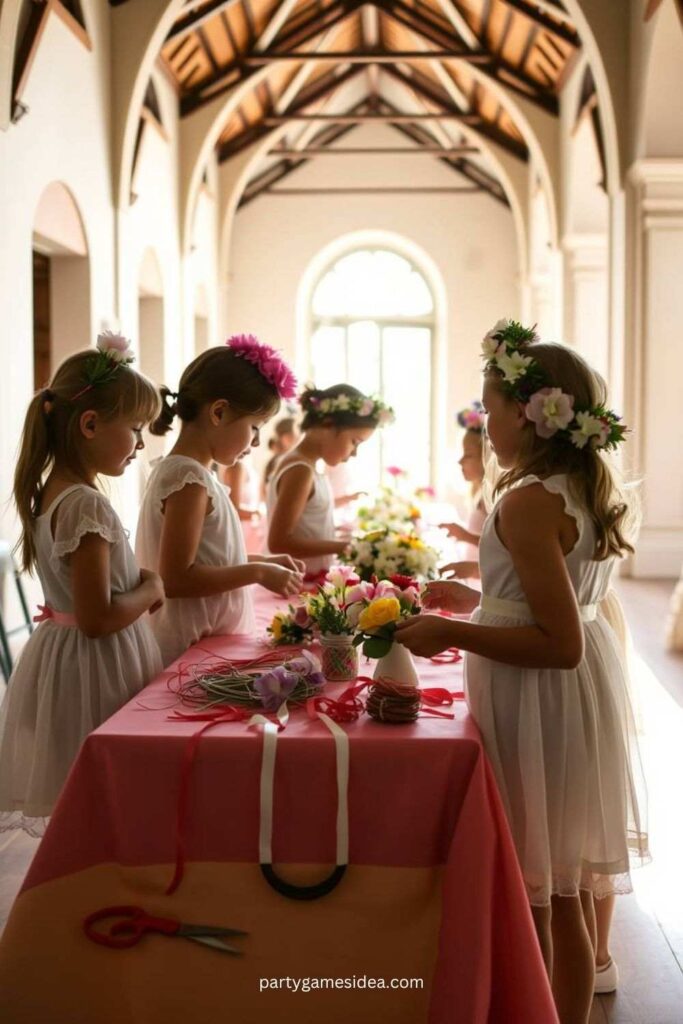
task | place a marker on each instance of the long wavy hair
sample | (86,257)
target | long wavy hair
(594,480)
(52,434)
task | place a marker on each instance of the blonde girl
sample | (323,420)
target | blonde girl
(93,649)
(188,529)
(299,499)
(545,677)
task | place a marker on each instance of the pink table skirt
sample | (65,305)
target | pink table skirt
(432,891)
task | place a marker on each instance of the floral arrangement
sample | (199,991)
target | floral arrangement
(472,418)
(322,613)
(371,407)
(377,606)
(267,361)
(385,553)
(227,684)
(549,408)
(113,352)
(390,510)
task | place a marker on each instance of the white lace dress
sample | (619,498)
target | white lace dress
(317,519)
(65,684)
(562,742)
(182,621)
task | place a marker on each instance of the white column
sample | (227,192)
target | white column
(653,358)
(586,298)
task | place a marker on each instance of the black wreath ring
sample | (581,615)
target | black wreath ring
(303,892)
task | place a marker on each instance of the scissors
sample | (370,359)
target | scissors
(134,922)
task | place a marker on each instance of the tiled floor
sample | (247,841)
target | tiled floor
(648,929)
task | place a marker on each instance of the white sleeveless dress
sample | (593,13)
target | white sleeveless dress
(317,518)
(66,684)
(562,742)
(182,621)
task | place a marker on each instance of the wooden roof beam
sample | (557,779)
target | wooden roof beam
(189,22)
(489,131)
(514,78)
(361,57)
(536,12)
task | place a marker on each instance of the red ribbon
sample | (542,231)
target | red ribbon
(451,656)
(211,718)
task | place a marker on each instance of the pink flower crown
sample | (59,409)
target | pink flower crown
(550,409)
(267,361)
(472,418)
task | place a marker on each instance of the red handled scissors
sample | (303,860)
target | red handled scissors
(132,923)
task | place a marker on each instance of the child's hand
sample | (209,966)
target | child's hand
(281,581)
(286,561)
(425,635)
(450,597)
(154,584)
(461,570)
(455,530)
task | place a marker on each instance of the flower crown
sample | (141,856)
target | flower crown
(113,352)
(472,418)
(550,409)
(370,407)
(267,361)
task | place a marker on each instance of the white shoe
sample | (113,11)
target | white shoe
(606,978)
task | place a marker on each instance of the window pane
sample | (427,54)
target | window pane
(406,369)
(363,356)
(328,359)
(372,283)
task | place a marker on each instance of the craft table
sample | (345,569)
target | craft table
(432,890)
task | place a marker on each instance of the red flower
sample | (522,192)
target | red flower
(402,582)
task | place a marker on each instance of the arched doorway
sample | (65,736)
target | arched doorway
(61,282)
(151,333)
(372,324)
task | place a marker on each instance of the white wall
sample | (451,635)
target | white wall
(469,238)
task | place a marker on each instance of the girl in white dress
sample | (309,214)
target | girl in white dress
(299,499)
(188,529)
(545,677)
(93,649)
(471,463)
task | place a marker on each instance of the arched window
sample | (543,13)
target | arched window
(372,325)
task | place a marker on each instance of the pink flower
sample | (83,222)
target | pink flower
(341,576)
(115,345)
(367,408)
(395,471)
(360,592)
(302,618)
(267,361)
(551,410)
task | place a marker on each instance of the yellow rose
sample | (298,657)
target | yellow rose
(379,612)
(276,627)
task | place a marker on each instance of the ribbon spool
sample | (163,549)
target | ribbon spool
(392,702)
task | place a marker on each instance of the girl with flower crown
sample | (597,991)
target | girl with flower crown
(93,649)
(545,676)
(188,527)
(299,499)
(471,463)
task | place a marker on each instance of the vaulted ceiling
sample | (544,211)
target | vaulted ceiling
(431,69)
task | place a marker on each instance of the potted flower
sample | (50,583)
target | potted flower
(380,606)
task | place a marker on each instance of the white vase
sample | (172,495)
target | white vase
(398,665)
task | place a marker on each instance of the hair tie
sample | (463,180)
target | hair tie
(47,398)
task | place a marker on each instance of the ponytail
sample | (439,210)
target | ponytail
(169,410)
(35,455)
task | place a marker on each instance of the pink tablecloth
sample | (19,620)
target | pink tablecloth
(432,892)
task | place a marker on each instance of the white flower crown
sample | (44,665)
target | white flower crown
(551,409)
(367,408)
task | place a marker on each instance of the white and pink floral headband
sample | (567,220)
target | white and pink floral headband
(113,352)
(550,409)
(267,361)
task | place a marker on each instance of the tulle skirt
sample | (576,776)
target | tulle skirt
(64,686)
(564,750)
